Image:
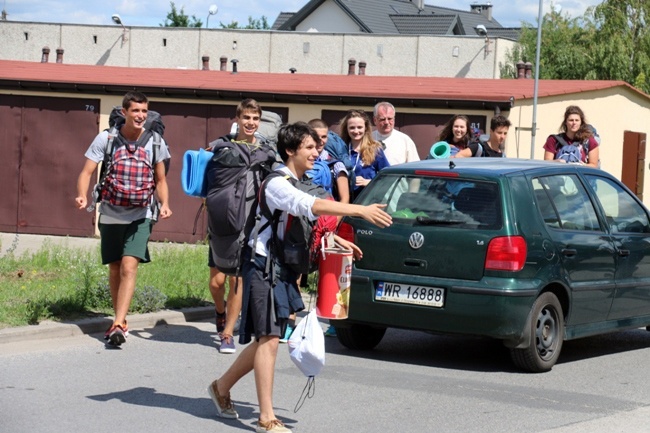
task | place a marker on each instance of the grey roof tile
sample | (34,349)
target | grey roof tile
(397,17)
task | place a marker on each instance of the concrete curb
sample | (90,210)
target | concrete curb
(49,329)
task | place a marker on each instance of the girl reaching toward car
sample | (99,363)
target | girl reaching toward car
(576,143)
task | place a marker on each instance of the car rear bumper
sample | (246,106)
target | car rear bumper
(492,307)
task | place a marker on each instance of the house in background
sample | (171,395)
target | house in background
(392,17)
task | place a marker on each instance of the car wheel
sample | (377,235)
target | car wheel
(360,337)
(547,336)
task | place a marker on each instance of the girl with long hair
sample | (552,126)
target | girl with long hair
(574,131)
(366,153)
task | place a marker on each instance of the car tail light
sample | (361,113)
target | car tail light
(346,231)
(507,253)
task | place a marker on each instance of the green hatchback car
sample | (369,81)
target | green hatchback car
(532,253)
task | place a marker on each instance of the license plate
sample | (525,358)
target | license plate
(409,294)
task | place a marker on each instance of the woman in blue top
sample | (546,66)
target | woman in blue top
(366,154)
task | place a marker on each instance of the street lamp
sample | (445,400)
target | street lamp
(117,20)
(212,11)
(482,31)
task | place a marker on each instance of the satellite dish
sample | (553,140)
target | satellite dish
(213,10)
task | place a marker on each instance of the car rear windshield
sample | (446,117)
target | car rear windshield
(453,202)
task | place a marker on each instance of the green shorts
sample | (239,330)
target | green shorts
(118,240)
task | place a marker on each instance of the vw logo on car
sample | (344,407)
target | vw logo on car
(416,240)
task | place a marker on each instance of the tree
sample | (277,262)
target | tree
(179,19)
(610,41)
(564,52)
(253,24)
(623,51)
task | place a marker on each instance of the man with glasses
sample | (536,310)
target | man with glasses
(399,148)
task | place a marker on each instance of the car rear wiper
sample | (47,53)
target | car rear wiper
(436,221)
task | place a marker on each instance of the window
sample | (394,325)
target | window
(453,202)
(623,213)
(564,203)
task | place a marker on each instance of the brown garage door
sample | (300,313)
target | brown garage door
(41,155)
(422,128)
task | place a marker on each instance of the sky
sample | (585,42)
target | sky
(151,13)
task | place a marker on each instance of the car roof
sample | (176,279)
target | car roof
(489,166)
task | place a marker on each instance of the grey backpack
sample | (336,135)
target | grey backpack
(234,175)
(270,124)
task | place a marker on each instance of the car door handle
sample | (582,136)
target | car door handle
(623,253)
(569,252)
(416,263)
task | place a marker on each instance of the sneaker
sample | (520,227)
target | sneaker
(275,425)
(116,335)
(227,344)
(330,332)
(225,408)
(221,321)
(125,329)
(286,336)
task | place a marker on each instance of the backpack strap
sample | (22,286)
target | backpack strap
(157,140)
(479,150)
(103,171)
(271,219)
(560,141)
(585,145)
(113,132)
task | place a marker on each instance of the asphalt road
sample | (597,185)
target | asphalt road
(412,382)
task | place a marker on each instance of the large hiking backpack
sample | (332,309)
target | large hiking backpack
(153,123)
(571,152)
(323,174)
(234,176)
(270,124)
(300,248)
(338,149)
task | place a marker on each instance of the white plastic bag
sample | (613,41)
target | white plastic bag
(307,345)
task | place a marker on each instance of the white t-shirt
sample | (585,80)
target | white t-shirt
(280,194)
(399,147)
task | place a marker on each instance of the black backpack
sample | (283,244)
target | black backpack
(300,247)
(481,152)
(234,176)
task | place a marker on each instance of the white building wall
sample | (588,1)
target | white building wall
(255,50)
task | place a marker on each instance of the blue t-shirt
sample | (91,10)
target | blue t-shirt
(367,171)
